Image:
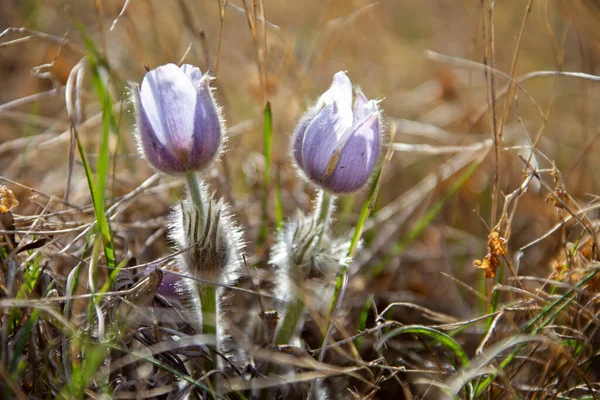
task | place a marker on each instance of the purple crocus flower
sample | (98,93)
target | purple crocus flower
(337,145)
(179,126)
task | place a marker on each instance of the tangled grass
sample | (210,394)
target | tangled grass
(474,251)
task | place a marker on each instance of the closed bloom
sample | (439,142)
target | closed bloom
(335,144)
(179,126)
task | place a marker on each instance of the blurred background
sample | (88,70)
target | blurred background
(423,59)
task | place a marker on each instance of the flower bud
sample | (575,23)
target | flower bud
(179,125)
(337,145)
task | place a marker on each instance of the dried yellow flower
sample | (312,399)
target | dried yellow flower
(491,262)
(8,200)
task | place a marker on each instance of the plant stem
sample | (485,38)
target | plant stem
(208,304)
(290,322)
(208,301)
(322,216)
(193,185)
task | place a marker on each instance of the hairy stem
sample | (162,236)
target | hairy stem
(290,322)
(208,301)
(193,185)
(322,215)
(208,304)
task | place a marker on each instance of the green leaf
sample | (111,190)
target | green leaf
(431,333)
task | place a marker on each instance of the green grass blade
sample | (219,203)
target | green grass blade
(433,212)
(166,368)
(431,333)
(98,204)
(267,143)
(362,321)
(94,356)
(278,202)
(364,214)
(98,185)
(342,275)
(23,340)
(567,300)
(533,327)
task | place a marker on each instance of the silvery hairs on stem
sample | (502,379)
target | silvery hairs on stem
(215,245)
(306,262)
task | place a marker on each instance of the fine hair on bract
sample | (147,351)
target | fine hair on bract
(304,263)
(211,248)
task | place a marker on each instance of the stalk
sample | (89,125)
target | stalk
(208,304)
(293,314)
(322,217)
(208,292)
(193,186)
(290,321)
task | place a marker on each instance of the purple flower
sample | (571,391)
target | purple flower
(337,145)
(169,283)
(179,126)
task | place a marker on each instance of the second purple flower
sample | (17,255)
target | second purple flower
(336,144)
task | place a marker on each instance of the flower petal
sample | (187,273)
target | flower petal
(157,154)
(207,127)
(340,92)
(362,107)
(298,140)
(168,99)
(328,129)
(357,158)
(193,73)
(323,136)
(168,286)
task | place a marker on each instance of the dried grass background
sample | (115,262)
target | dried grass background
(435,64)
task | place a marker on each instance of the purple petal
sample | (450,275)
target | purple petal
(357,158)
(340,92)
(325,133)
(362,107)
(207,127)
(300,130)
(169,99)
(193,73)
(156,153)
(168,286)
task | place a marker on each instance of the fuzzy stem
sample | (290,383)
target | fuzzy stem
(193,185)
(208,301)
(322,215)
(208,304)
(290,321)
